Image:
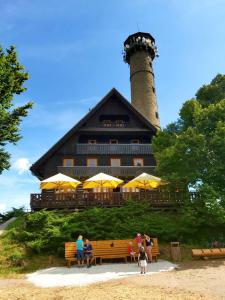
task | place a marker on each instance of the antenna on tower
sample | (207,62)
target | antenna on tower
(138,27)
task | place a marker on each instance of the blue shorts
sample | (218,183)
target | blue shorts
(80,254)
(88,254)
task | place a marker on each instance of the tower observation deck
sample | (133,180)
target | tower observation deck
(139,52)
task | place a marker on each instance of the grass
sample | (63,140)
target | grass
(15,262)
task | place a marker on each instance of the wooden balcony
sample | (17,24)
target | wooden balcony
(138,149)
(123,171)
(84,200)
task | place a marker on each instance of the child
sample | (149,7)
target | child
(131,251)
(142,260)
(138,240)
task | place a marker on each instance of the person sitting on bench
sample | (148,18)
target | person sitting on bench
(88,253)
(131,251)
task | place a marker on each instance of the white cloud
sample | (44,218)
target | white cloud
(12,181)
(22,165)
(2,207)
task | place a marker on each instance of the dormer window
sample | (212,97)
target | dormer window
(114,120)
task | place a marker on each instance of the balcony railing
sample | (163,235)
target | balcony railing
(157,199)
(113,149)
(123,171)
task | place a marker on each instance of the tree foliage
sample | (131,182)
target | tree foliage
(12,78)
(192,148)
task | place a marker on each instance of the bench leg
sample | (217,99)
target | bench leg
(125,258)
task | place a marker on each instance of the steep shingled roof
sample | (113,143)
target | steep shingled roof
(74,129)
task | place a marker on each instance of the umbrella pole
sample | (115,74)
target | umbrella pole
(145,193)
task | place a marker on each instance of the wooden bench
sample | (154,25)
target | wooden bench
(208,253)
(107,249)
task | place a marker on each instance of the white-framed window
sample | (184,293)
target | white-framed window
(92,162)
(138,162)
(68,162)
(115,162)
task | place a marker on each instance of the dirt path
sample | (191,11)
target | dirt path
(4,225)
(194,280)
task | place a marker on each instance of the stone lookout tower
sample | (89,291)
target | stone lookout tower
(139,52)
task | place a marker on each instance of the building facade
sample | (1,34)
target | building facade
(115,136)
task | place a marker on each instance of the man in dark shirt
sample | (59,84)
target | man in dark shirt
(88,253)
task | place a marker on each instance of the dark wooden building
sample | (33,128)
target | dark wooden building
(114,138)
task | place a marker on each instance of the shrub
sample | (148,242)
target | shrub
(47,231)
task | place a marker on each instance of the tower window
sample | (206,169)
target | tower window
(153,89)
(157,114)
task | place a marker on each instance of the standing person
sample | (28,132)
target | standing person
(88,253)
(138,240)
(80,250)
(142,260)
(149,245)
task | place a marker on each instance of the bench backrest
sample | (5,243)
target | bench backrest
(208,252)
(109,248)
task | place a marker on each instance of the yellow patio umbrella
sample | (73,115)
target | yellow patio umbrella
(145,181)
(102,180)
(59,181)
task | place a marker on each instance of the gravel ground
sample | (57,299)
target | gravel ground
(193,280)
(61,276)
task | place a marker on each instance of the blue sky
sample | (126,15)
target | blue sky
(72,51)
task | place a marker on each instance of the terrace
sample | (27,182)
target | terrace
(82,199)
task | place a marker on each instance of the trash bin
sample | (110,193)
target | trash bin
(175,251)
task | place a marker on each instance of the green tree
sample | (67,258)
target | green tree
(12,78)
(193,147)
